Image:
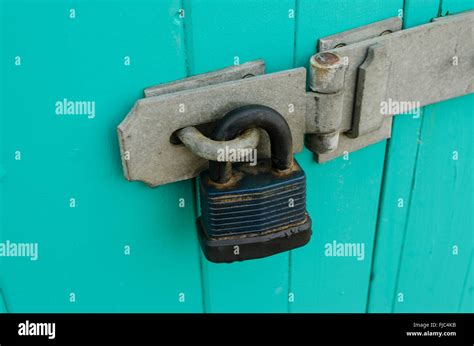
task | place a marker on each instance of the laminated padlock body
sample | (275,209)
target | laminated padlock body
(256,200)
(253,211)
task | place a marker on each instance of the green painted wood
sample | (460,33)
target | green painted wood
(3,305)
(467,299)
(216,33)
(81,249)
(415,269)
(455,6)
(432,271)
(342,194)
(466,304)
(397,184)
(418,12)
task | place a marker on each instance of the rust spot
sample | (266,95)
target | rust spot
(234,179)
(326,58)
(250,197)
(262,167)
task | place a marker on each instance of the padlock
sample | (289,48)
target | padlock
(253,211)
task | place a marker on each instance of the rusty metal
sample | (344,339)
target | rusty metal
(327,73)
(327,86)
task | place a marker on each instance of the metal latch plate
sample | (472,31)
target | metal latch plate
(144,135)
(423,65)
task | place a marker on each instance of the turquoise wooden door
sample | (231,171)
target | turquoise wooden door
(107,245)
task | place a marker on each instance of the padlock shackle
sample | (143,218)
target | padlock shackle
(251,116)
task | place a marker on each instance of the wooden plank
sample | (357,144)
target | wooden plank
(466,303)
(412,256)
(438,242)
(217,34)
(397,185)
(82,247)
(343,194)
(467,298)
(455,6)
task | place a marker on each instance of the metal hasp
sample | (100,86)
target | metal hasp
(395,72)
(148,153)
(358,81)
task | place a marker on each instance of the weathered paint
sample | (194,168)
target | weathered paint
(414,253)
(82,248)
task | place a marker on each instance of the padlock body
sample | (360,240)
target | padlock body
(259,211)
